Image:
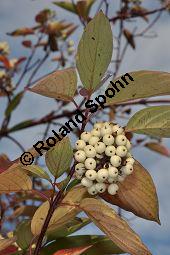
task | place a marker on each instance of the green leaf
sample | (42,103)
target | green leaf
(145,84)
(23,234)
(13,104)
(37,171)
(66,5)
(101,245)
(72,184)
(154,121)
(60,85)
(69,228)
(94,51)
(113,226)
(58,158)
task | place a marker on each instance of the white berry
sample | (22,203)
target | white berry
(92,190)
(100,147)
(102,174)
(90,151)
(100,187)
(106,130)
(128,169)
(121,178)
(121,151)
(80,156)
(99,180)
(79,176)
(130,160)
(93,140)
(99,156)
(115,161)
(91,174)
(86,182)
(112,189)
(80,168)
(85,136)
(80,144)
(96,132)
(117,129)
(128,145)
(129,155)
(113,172)
(98,125)
(121,140)
(110,151)
(108,139)
(90,163)
(110,179)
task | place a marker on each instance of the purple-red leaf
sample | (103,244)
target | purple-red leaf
(72,251)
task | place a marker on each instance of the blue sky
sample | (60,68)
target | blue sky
(150,54)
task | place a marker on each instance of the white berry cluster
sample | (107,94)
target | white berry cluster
(102,158)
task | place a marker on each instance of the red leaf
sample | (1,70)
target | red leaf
(10,250)
(27,43)
(5,61)
(22,32)
(159,148)
(20,60)
(72,251)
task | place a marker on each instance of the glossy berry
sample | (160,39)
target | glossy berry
(100,187)
(121,140)
(108,139)
(91,174)
(110,151)
(86,182)
(113,172)
(85,136)
(90,163)
(115,161)
(93,140)
(80,144)
(80,156)
(80,168)
(92,190)
(90,151)
(102,174)
(100,147)
(112,189)
(121,151)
